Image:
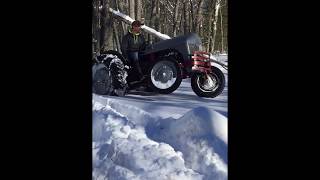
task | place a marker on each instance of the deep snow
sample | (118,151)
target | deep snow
(140,146)
(178,136)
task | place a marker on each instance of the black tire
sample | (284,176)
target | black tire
(199,87)
(102,81)
(170,70)
(109,77)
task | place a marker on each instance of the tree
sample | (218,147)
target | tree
(216,13)
(107,26)
(131,8)
(95,26)
(138,10)
(185,18)
(175,18)
(197,22)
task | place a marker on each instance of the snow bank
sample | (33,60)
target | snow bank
(122,150)
(201,135)
(129,143)
(222,57)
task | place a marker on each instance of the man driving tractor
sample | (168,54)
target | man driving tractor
(160,68)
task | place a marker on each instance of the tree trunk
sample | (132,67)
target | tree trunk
(157,20)
(123,28)
(159,17)
(131,8)
(191,17)
(164,22)
(221,28)
(224,12)
(107,26)
(116,34)
(198,17)
(153,17)
(175,18)
(185,19)
(95,27)
(180,23)
(209,33)
(216,13)
(200,29)
(138,10)
(210,27)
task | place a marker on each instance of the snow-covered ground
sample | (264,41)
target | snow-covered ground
(222,57)
(160,137)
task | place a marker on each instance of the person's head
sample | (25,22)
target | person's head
(136,25)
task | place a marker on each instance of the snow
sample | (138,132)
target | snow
(122,150)
(160,35)
(122,77)
(173,105)
(126,17)
(150,136)
(222,57)
(191,147)
(201,135)
(178,136)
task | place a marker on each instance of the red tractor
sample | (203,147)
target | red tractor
(164,64)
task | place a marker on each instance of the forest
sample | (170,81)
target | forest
(207,18)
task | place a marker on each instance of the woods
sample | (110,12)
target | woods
(207,18)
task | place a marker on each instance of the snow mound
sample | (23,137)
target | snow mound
(129,143)
(201,135)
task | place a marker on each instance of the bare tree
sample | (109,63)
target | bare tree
(185,18)
(221,28)
(224,25)
(121,7)
(157,19)
(198,17)
(175,18)
(131,8)
(96,26)
(216,13)
(138,9)
(209,28)
(191,16)
(153,17)
(107,25)
(180,26)
(116,36)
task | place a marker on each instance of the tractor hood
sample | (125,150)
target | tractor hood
(184,44)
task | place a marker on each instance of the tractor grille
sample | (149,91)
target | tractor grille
(194,47)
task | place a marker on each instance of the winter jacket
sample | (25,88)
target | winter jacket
(132,42)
